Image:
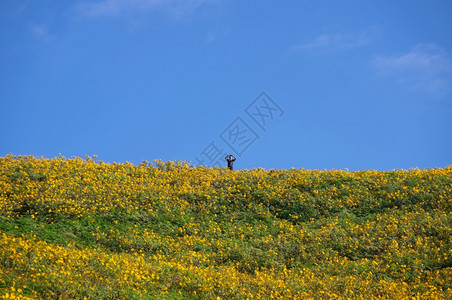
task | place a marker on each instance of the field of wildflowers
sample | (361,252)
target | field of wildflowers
(80,228)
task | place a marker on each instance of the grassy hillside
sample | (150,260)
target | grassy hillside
(75,228)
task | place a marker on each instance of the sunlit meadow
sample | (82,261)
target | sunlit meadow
(80,228)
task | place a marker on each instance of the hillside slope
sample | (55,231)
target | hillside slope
(75,228)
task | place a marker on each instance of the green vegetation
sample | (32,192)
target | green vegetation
(74,228)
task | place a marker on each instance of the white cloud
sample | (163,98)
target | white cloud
(113,8)
(185,7)
(216,34)
(13,9)
(41,33)
(425,68)
(22,6)
(332,42)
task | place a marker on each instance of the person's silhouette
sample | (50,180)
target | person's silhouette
(230,159)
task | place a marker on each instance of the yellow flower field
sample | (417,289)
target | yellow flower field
(80,228)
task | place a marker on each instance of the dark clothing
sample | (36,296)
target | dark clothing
(230,161)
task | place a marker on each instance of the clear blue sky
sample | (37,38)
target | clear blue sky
(359,84)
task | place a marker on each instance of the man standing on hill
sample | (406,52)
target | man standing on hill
(230,159)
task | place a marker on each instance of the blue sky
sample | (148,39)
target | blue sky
(347,84)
